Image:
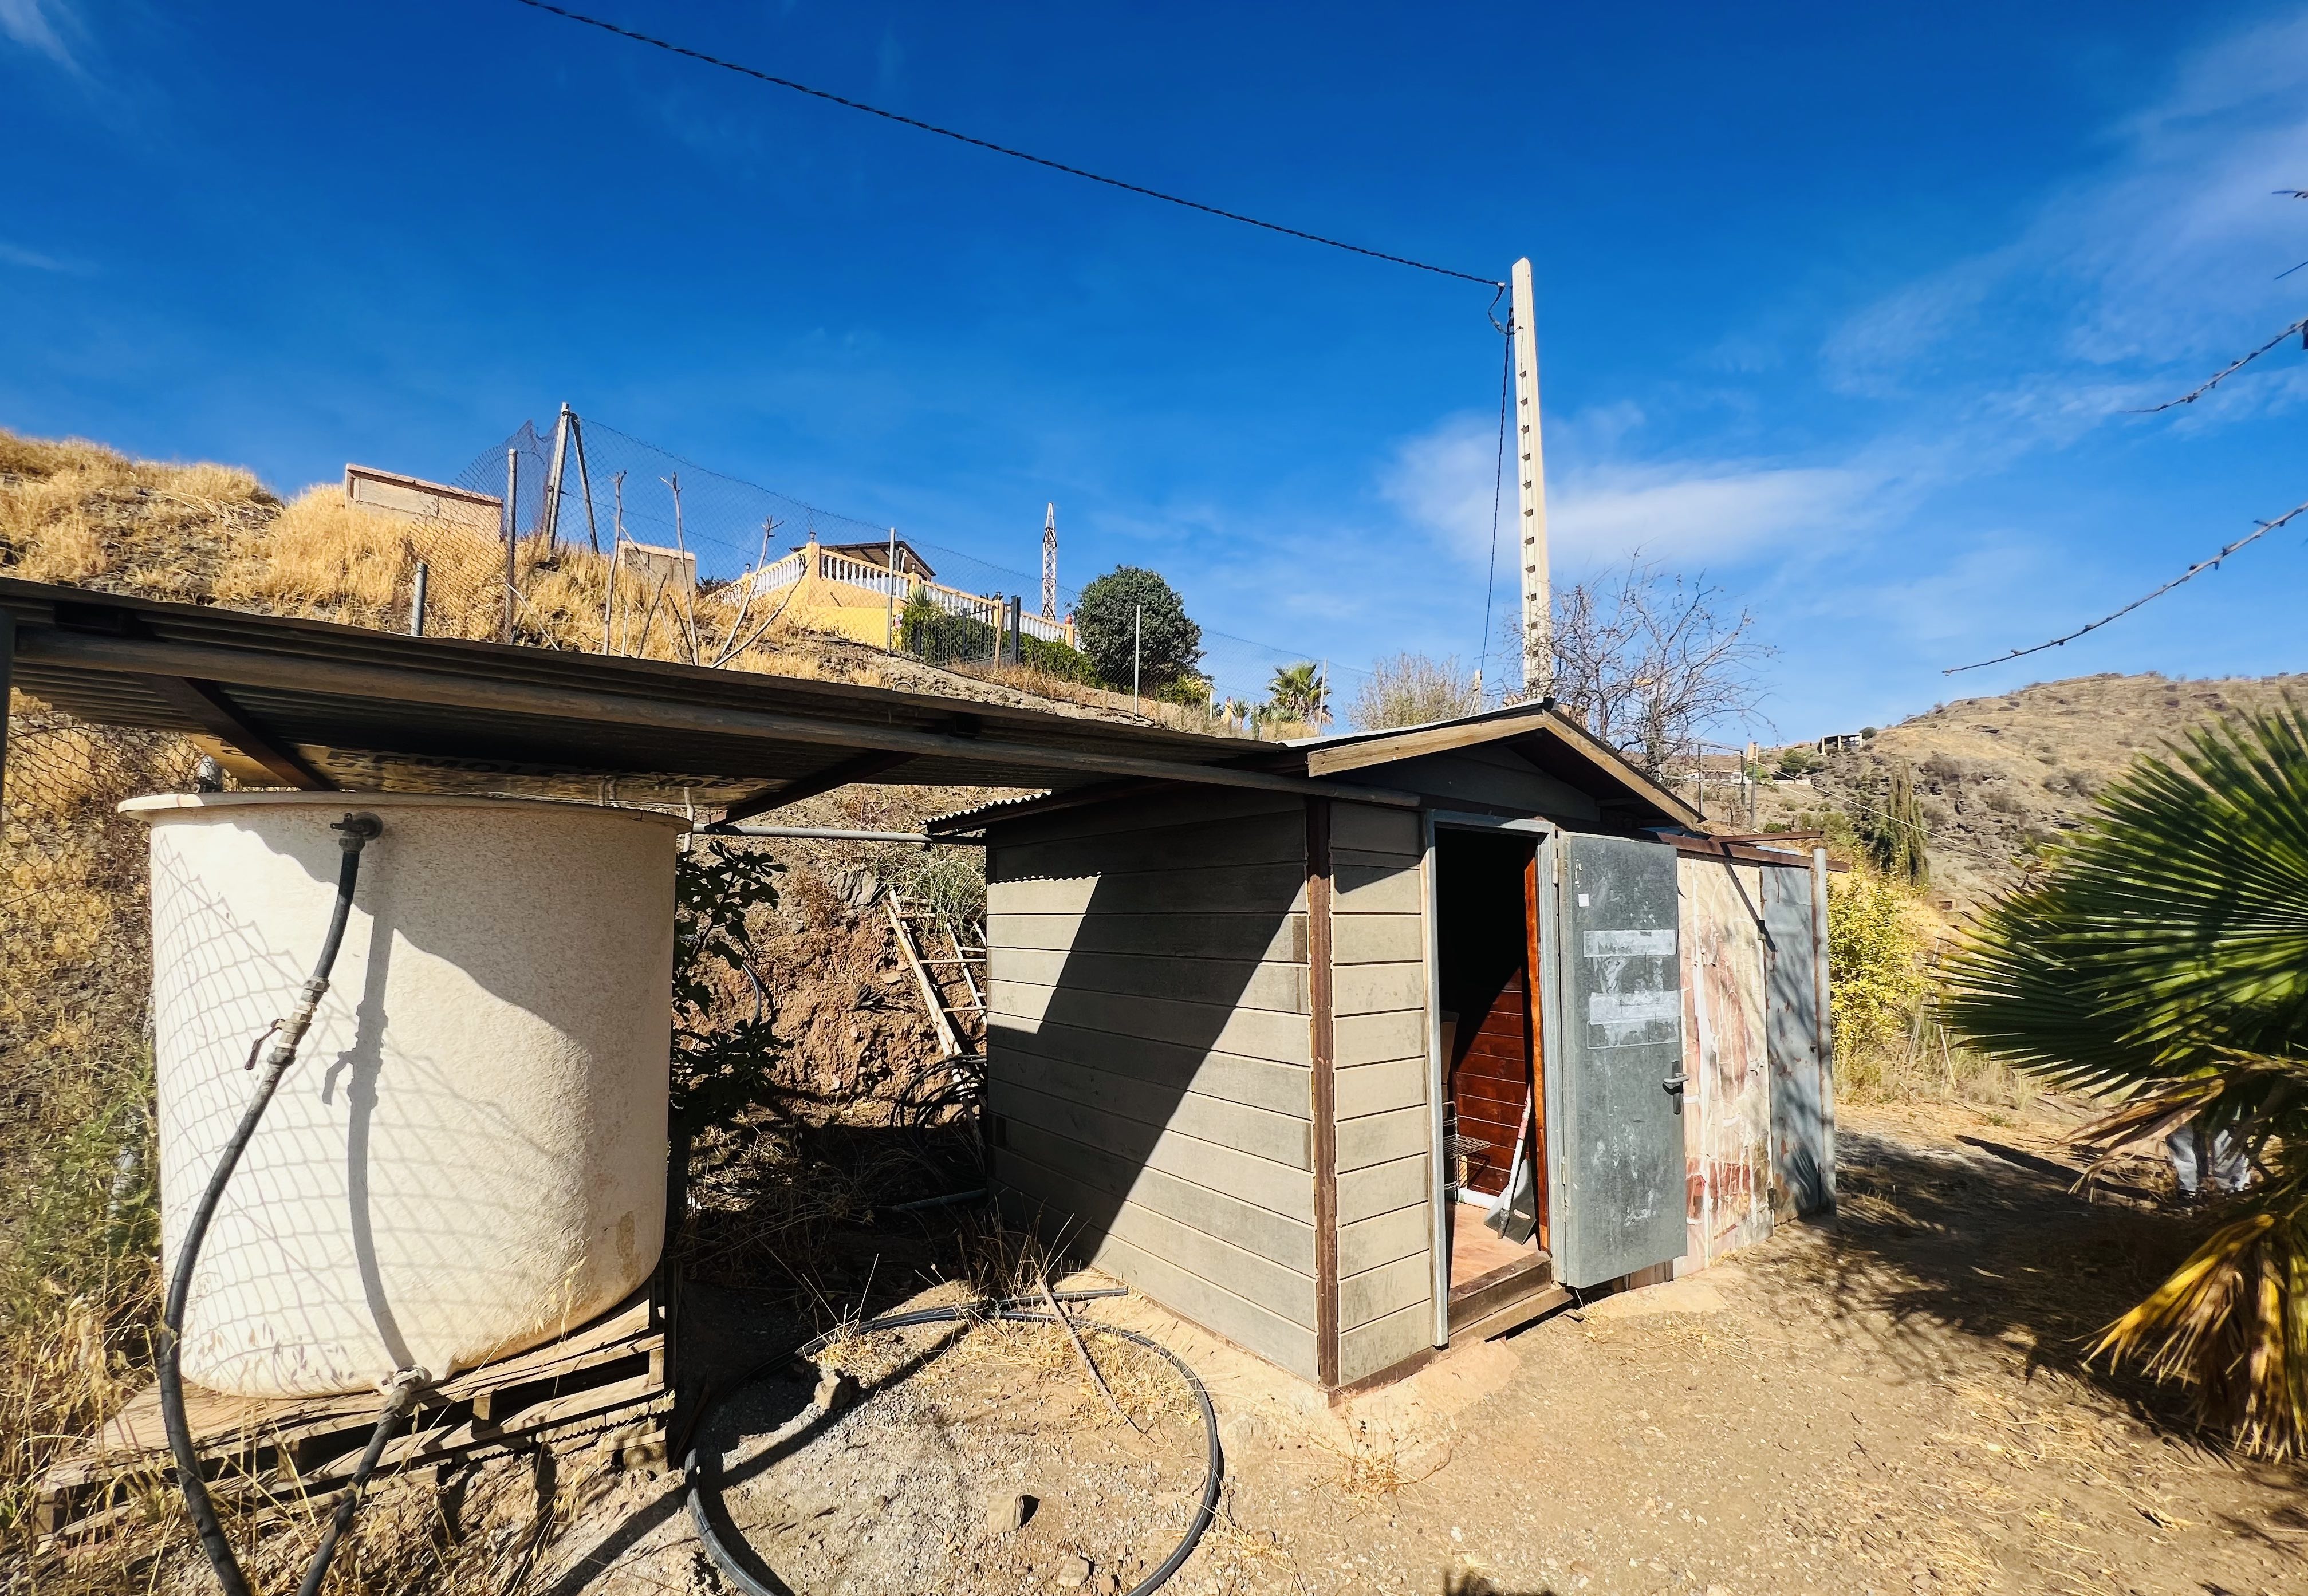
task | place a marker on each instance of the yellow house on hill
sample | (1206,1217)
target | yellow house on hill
(852,588)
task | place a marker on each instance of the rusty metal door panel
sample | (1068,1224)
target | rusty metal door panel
(1803,1118)
(1616,1087)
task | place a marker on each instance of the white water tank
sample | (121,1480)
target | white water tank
(468,1156)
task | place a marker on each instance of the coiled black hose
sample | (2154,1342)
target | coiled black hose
(354,832)
(1212,1480)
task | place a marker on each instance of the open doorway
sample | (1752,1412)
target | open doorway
(1494,1116)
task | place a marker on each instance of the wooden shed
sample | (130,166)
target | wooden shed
(1273,1059)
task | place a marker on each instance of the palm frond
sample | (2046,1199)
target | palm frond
(2172,927)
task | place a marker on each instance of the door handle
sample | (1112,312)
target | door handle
(1675,1083)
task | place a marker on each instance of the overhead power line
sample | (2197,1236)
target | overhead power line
(1039,161)
(2196,570)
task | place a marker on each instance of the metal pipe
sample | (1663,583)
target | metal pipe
(416,601)
(513,539)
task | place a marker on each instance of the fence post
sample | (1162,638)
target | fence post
(891,645)
(512,541)
(1137,632)
(1016,618)
(416,601)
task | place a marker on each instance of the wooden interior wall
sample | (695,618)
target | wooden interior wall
(1148,1053)
(1485,942)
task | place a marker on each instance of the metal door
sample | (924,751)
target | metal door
(1802,1112)
(1615,1076)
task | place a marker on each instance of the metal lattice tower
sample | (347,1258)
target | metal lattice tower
(1050,565)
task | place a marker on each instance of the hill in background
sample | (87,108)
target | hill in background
(2002,777)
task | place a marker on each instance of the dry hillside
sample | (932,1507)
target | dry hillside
(1999,777)
(80,513)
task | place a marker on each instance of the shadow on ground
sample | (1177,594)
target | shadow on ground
(1990,1241)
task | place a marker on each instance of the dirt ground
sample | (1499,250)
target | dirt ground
(1892,1401)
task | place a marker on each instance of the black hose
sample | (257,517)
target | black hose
(1213,1479)
(355,831)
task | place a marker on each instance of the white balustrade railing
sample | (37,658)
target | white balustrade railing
(776,574)
(877,580)
(857,573)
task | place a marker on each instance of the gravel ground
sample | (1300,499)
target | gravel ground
(1891,1403)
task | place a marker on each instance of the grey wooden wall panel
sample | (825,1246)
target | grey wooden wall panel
(1277,1138)
(1271,985)
(1375,1088)
(1278,1189)
(1377,939)
(1368,828)
(1263,840)
(1380,1344)
(1383,1239)
(1254,1033)
(1803,1118)
(1473,780)
(1258,1083)
(1270,1335)
(1380,1039)
(1290,1242)
(1378,988)
(1375,1293)
(1261,889)
(1281,1290)
(1391,888)
(1381,1138)
(1216,807)
(1381,1188)
(1242,935)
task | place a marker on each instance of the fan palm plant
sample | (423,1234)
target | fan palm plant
(1300,692)
(2162,963)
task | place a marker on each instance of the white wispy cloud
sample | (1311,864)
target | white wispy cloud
(42,27)
(1606,501)
(33,259)
(2163,256)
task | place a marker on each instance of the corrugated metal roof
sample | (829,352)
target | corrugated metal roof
(358,709)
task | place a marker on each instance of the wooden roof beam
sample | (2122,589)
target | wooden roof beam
(861,767)
(204,703)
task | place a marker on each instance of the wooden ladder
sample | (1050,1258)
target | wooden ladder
(915,928)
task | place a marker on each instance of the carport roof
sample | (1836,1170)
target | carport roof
(314,705)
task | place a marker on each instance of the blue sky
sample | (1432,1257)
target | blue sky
(1843,305)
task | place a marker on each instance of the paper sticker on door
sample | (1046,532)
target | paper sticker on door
(1630,945)
(1632,1019)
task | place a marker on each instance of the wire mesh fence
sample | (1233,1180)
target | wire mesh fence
(685,548)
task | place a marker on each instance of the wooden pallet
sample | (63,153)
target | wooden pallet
(608,1376)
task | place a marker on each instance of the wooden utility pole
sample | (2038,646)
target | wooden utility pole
(1530,477)
(551,513)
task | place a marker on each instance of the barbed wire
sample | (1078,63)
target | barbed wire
(1040,161)
(2192,572)
(2217,377)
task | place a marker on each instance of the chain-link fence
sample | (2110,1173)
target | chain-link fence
(78,1283)
(691,547)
